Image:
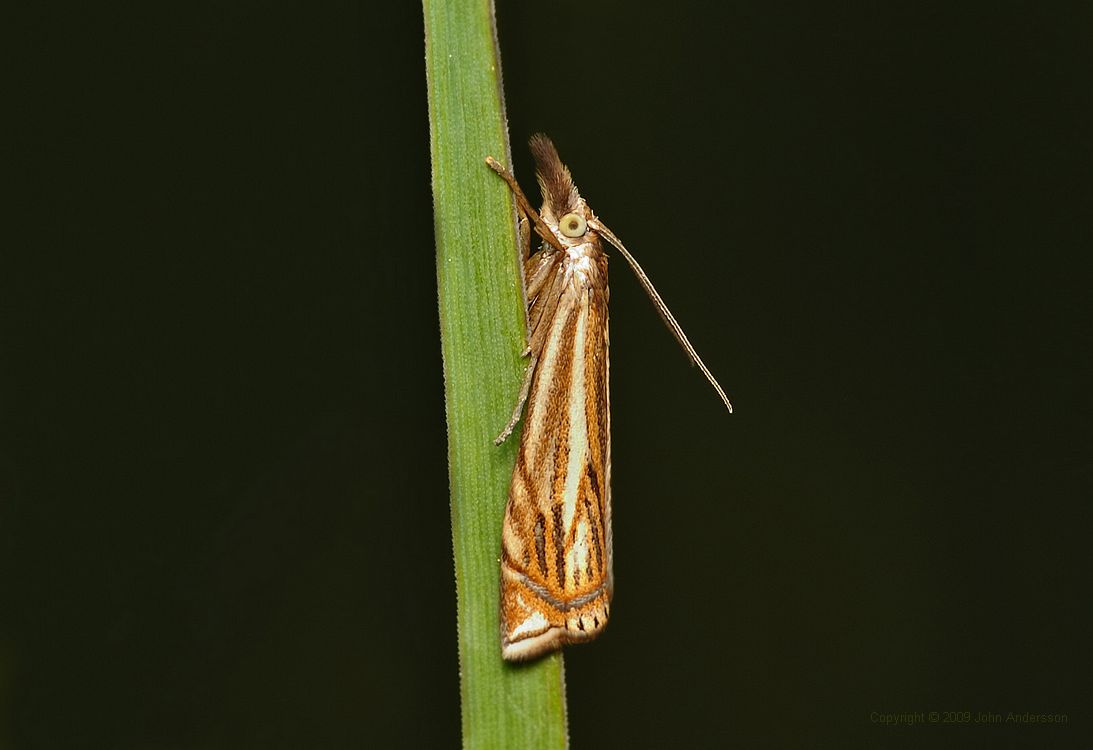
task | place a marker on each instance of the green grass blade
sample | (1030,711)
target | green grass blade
(482,333)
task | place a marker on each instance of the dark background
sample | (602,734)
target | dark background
(224,508)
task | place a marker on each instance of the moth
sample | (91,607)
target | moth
(556,577)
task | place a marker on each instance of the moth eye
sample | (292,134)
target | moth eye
(572,225)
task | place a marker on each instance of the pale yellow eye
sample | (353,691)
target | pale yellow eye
(572,225)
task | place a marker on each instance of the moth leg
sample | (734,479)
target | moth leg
(523,229)
(525,388)
(541,227)
(523,238)
(528,217)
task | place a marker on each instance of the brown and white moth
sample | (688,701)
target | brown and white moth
(556,579)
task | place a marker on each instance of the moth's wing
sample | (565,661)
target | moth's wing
(556,540)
